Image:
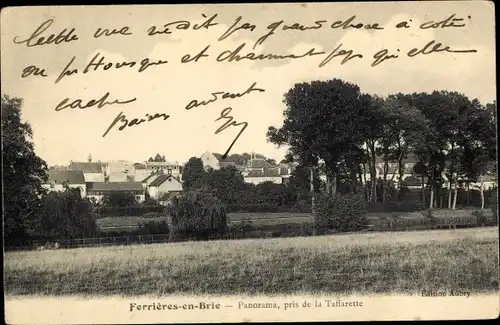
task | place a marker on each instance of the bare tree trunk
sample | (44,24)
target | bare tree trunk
(455,197)
(449,191)
(334,184)
(385,187)
(311,181)
(431,203)
(423,190)
(482,192)
(468,193)
(364,182)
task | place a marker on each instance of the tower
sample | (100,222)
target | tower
(90,158)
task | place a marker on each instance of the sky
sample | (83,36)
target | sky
(73,134)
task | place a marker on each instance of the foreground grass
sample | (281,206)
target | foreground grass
(404,262)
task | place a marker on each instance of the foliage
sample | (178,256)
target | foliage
(397,206)
(323,120)
(192,172)
(67,216)
(153,227)
(157,158)
(494,204)
(132,210)
(196,214)
(119,199)
(341,213)
(23,175)
(227,184)
(150,201)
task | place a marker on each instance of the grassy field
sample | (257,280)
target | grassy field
(127,223)
(397,262)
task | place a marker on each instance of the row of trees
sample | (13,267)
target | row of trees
(333,127)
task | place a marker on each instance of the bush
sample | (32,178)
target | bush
(429,217)
(494,205)
(152,215)
(119,199)
(341,213)
(129,211)
(197,215)
(150,201)
(480,217)
(153,227)
(409,205)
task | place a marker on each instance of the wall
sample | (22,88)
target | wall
(60,188)
(259,180)
(94,177)
(209,160)
(166,187)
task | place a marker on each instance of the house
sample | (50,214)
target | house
(150,178)
(210,161)
(166,167)
(59,178)
(163,184)
(118,171)
(269,175)
(92,171)
(141,171)
(98,190)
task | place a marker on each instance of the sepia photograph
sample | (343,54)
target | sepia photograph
(274,162)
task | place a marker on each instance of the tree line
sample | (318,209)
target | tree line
(333,127)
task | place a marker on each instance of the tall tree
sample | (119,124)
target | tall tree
(23,174)
(321,121)
(192,172)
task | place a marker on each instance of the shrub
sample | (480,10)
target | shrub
(153,227)
(409,205)
(151,215)
(130,211)
(150,201)
(494,205)
(429,217)
(341,213)
(480,217)
(119,199)
(197,214)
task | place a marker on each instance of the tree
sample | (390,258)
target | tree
(321,122)
(227,184)
(196,214)
(192,172)
(67,215)
(403,129)
(23,175)
(119,199)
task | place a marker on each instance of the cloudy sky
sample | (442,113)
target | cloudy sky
(71,134)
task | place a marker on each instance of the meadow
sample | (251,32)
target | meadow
(383,263)
(127,223)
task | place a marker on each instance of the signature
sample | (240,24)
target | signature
(229,122)
(225,95)
(126,123)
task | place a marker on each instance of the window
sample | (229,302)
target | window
(169,171)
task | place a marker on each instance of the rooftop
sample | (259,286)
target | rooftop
(86,167)
(70,176)
(115,186)
(161,179)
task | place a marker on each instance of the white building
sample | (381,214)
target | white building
(58,179)
(164,184)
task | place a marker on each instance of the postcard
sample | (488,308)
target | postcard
(274,162)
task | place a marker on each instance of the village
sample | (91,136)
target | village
(159,179)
